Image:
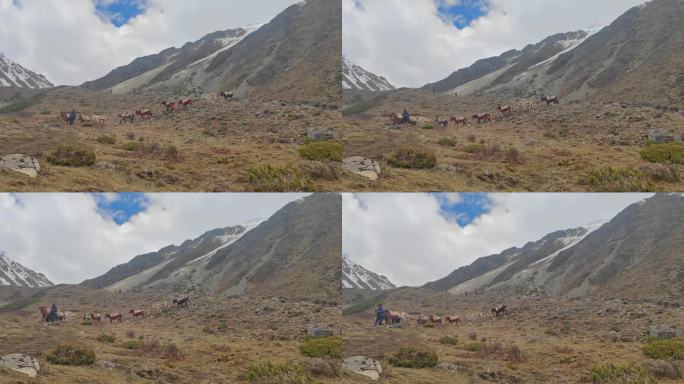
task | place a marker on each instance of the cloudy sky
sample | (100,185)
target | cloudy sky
(73,41)
(72,237)
(414,42)
(417,238)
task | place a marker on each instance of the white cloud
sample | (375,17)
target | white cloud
(408,42)
(70,42)
(406,238)
(64,236)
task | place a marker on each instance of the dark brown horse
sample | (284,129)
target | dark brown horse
(114,317)
(227,95)
(144,114)
(459,120)
(483,117)
(550,100)
(500,311)
(95,317)
(170,107)
(452,319)
(185,103)
(182,303)
(435,319)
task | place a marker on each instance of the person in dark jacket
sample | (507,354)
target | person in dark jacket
(52,316)
(379,315)
(405,117)
(72,117)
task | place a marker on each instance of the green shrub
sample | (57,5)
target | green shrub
(133,344)
(473,148)
(664,349)
(107,140)
(269,372)
(86,322)
(449,340)
(70,355)
(609,179)
(411,357)
(132,146)
(428,126)
(474,346)
(322,151)
(447,142)
(68,156)
(620,374)
(664,153)
(275,178)
(106,338)
(410,158)
(321,347)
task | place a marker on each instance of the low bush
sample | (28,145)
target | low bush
(107,140)
(268,372)
(665,153)
(411,357)
(276,178)
(68,156)
(106,338)
(322,151)
(410,158)
(321,347)
(449,340)
(474,346)
(447,142)
(664,349)
(609,179)
(620,374)
(70,355)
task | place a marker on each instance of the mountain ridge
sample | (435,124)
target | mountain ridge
(13,74)
(13,274)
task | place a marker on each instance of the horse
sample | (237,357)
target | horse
(185,103)
(395,119)
(144,114)
(227,95)
(126,117)
(435,319)
(64,116)
(84,118)
(99,119)
(422,319)
(505,109)
(114,317)
(443,121)
(496,312)
(95,317)
(550,100)
(137,313)
(182,303)
(44,312)
(486,117)
(459,120)
(392,317)
(452,319)
(169,106)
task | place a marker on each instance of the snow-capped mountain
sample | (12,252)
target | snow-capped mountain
(14,274)
(638,252)
(14,75)
(356,276)
(355,77)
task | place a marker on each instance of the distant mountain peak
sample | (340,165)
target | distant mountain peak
(356,276)
(13,74)
(14,274)
(356,77)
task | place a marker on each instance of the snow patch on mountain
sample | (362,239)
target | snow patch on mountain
(16,275)
(355,77)
(356,276)
(14,75)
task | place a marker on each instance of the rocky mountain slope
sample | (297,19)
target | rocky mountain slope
(295,253)
(637,253)
(645,43)
(13,274)
(293,57)
(14,75)
(355,77)
(356,276)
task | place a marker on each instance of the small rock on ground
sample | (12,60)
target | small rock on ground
(21,363)
(21,163)
(364,366)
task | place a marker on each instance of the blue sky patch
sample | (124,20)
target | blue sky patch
(464,208)
(120,207)
(119,12)
(461,13)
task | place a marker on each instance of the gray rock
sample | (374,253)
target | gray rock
(364,366)
(313,134)
(320,332)
(21,363)
(663,369)
(362,166)
(662,332)
(659,137)
(21,163)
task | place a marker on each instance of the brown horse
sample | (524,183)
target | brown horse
(182,303)
(126,117)
(114,317)
(483,117)
(452,319)
(137,313)
(459,120)
(505,109)
(144,114)
(227,95)
(95,317)
(442,121)
(435,319)
(185,103)
(500,311)
(170,107)
(44,312)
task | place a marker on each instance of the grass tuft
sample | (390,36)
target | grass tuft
(664,349)
(275,178)
(268,372)
(410,158)
(68,156)
(70,355)
(322,151)
(620,374)
(411,357)
(609,179)
(665,153)
(322,347)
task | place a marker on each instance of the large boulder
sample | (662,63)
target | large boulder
(659,137)
(320,332)
(21,163)
(362,166)
(662,332)
(25,364)
(362,365)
